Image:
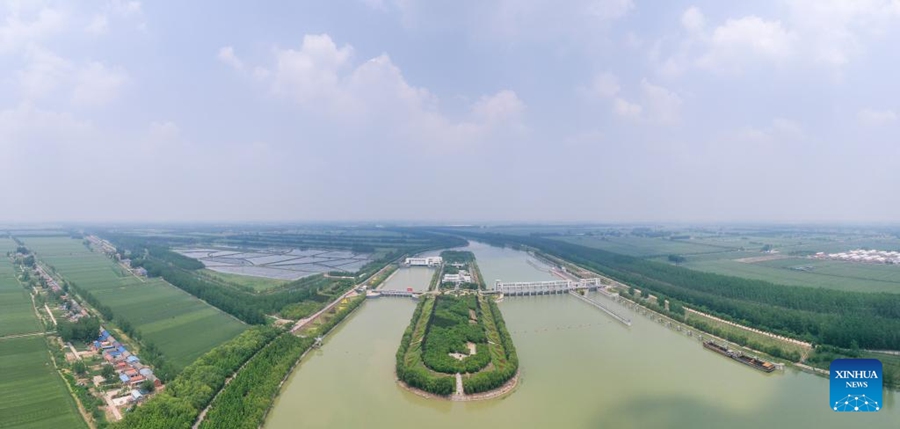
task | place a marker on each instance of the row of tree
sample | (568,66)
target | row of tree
(244,402)
(410,368)
(181,402)
(817,315)
(505,366)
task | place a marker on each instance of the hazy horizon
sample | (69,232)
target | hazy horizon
(602,112)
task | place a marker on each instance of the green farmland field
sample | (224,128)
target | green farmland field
(828,274)
(721,254)
(648,247)
(32,394)
(16,311)
(180,325)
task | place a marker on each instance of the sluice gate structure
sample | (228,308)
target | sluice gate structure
(544,288)
(552,287)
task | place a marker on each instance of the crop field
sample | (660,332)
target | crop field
(810,272)
(180,325)
(32,394)
(283,264)
(736,255)
(16,311)
(647,246)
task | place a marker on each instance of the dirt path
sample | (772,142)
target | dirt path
(50,313)
(459,386)
(746,328)
(111,407)
(74,352)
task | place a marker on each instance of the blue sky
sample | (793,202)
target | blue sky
(606,111)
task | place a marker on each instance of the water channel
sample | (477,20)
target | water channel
(580,369)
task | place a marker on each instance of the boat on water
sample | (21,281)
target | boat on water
(740,357)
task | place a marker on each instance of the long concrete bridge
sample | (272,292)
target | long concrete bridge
(544,288)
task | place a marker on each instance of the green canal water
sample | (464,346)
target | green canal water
(579,369)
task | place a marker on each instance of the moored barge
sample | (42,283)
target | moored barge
(740,357)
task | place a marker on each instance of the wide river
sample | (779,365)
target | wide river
(579,369)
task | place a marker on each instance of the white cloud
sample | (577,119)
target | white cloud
(605,85)
(610,9)
(815,32)
(872,117)
(18,31)
(502,106)
(837,30)
(26,125)
(43,74)
(780,132)
(663,105)
(657,103)
(227,56)
(375,96)
(99,25)
(693,21)
(97,84)
(116,9)
(125,7)
(310,74)
(626,109)
(741,42)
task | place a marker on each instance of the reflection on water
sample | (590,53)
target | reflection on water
(580,369)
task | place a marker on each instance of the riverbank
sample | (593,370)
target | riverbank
(497,393)
(597,375)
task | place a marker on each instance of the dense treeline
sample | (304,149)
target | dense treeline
(503,353)
(181,402)
(244,402)
(448,333)
(457,256)
(410,368)
(104,311)
(85,329)
(231,301)
(814,314)
(248,306)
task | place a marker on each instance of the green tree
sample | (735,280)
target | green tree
(108,372)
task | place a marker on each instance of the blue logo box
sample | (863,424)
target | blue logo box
(856,385)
